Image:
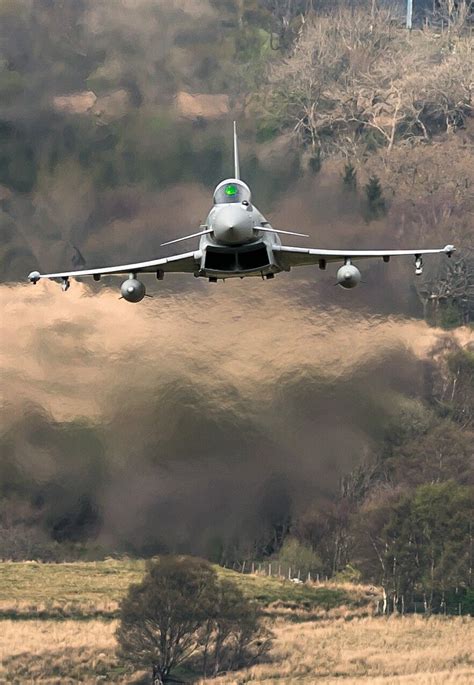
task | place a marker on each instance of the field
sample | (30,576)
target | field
(324,633)
(375,650)
(76,590)
(83,590)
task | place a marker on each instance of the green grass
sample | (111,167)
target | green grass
(99,581)
(94,589)
(268,591)
(65,590)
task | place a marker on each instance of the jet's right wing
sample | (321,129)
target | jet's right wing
(288,257)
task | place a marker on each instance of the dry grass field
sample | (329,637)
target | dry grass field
(67,651)
(57,626)
(367,650)
(376,650)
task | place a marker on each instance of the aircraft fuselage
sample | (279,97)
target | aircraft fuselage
(240,240)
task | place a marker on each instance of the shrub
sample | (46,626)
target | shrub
(182,615)
(299,557)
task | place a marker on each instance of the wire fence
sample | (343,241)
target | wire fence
(456,602)
(276,569)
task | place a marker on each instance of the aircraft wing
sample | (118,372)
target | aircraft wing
(188,262)
(288,257)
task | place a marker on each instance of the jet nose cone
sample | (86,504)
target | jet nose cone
(233,224)
(233,217)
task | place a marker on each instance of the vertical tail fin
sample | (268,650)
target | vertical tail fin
(236,154)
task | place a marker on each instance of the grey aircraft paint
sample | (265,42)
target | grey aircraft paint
(237,241)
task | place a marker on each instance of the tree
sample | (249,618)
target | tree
(418,543)
(461,367)
(456,13)
(354,82)
(182,614)
(299,557)
(234,637)
(325,528)
(375,200)
(442,453)
(349,176)
(162,619)
(448,296)
(434,539)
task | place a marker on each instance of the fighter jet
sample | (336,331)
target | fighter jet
(237,241)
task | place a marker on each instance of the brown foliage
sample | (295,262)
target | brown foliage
(355,78)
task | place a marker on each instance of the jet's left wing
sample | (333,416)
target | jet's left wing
(288,257)
(188,262)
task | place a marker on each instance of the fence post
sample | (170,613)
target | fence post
(243,567)
(289,572)
(270,569)
(253,567)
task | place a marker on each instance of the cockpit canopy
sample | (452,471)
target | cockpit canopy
(231,190)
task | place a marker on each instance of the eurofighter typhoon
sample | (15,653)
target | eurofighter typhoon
(237,241)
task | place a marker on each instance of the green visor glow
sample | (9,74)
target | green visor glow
(230,189)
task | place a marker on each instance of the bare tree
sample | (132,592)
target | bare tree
(456,14)
(355,77)
(451,285)
(182,613)
(162,618)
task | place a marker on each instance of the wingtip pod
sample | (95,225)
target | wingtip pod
(449,249)
(34,277)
